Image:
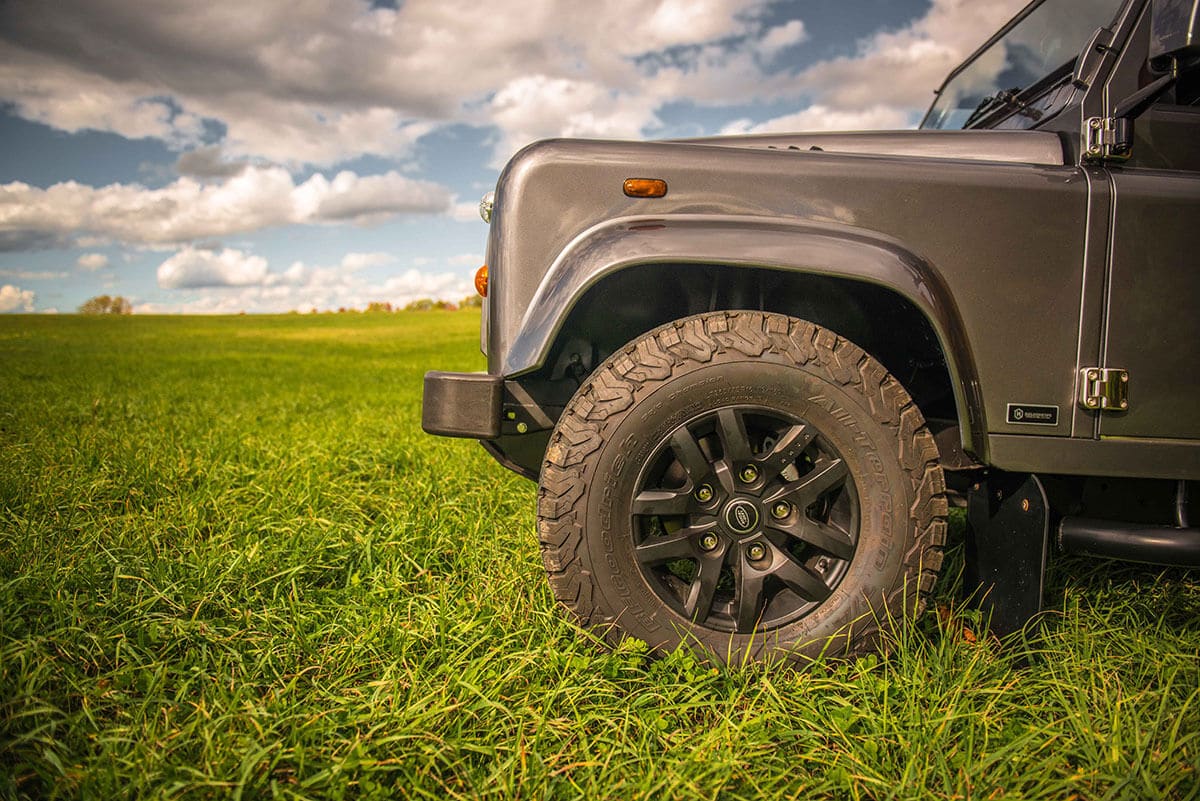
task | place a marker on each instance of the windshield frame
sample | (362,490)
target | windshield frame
(1055,77)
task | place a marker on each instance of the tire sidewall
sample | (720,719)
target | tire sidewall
(773,381)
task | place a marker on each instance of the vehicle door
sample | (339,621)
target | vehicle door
(1152,325)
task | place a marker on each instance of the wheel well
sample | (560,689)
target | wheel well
(628,303)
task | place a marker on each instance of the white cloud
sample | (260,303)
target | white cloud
(472,260)
(357,261)
(191,268)
(303,288)
(823,118)
(786,35)
(887,83)
(92,262)
(415,284)
(297,134)
(325,80)
(207,162)
(189,210)
(633,27)
(537,107)
(233,281)
(33,275)
(15,299)
(465,211)
(902,68)
(366,198)
(719,75)
(63,98)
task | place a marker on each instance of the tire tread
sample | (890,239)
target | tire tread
(610,390)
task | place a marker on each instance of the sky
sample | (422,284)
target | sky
(212,156)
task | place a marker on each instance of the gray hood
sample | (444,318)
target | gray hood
(1019,147)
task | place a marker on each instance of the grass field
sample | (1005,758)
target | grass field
(231,565)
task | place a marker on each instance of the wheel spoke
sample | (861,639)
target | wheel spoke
(662,502)
(787,449)
(678,545)
(748,598)
(827,538)
(724,473)
(805,491)
(704,588)
(734,438)
(688,452)
(799,578)
(664,549)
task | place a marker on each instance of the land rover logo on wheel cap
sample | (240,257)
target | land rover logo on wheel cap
(741,516)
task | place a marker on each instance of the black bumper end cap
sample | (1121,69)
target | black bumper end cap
(462,404)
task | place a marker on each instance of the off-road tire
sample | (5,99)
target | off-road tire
(600,452)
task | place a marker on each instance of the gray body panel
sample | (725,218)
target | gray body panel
(1027,261)
(1152,325)
(950,222)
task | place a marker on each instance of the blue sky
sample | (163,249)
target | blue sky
(208,156)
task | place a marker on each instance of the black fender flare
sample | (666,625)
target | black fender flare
(819,248)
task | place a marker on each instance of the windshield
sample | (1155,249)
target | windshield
(1042,45)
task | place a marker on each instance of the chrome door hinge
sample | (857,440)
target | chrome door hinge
(1107,138)
(1104,388)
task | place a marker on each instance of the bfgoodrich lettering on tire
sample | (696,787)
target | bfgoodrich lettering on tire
(748,483)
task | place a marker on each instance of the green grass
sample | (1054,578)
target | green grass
(231,565)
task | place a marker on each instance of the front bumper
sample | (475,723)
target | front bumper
(513,427)
(462,404)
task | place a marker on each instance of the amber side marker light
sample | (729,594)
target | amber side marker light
(645,187)
(481,281)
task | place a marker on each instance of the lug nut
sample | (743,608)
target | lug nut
(704,493)
(756,552)
(781,510)
(709,542)
(748,474)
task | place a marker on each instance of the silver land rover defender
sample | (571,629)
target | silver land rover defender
(750,373)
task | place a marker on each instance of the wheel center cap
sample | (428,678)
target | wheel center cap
(741,516)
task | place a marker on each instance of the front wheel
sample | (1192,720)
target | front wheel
(746,483)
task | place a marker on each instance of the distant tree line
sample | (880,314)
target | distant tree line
(106,304)
(421,304)
(116,304)
(426,304)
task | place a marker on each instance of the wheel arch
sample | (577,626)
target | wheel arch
(625,277)
(712,442)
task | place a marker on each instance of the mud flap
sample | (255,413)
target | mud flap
(1007,540)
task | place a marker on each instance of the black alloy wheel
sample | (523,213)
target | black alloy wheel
(745,518)
(746,484)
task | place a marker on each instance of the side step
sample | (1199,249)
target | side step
(1132,542)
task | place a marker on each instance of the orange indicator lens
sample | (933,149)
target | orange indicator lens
(645,187)
(481,281)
